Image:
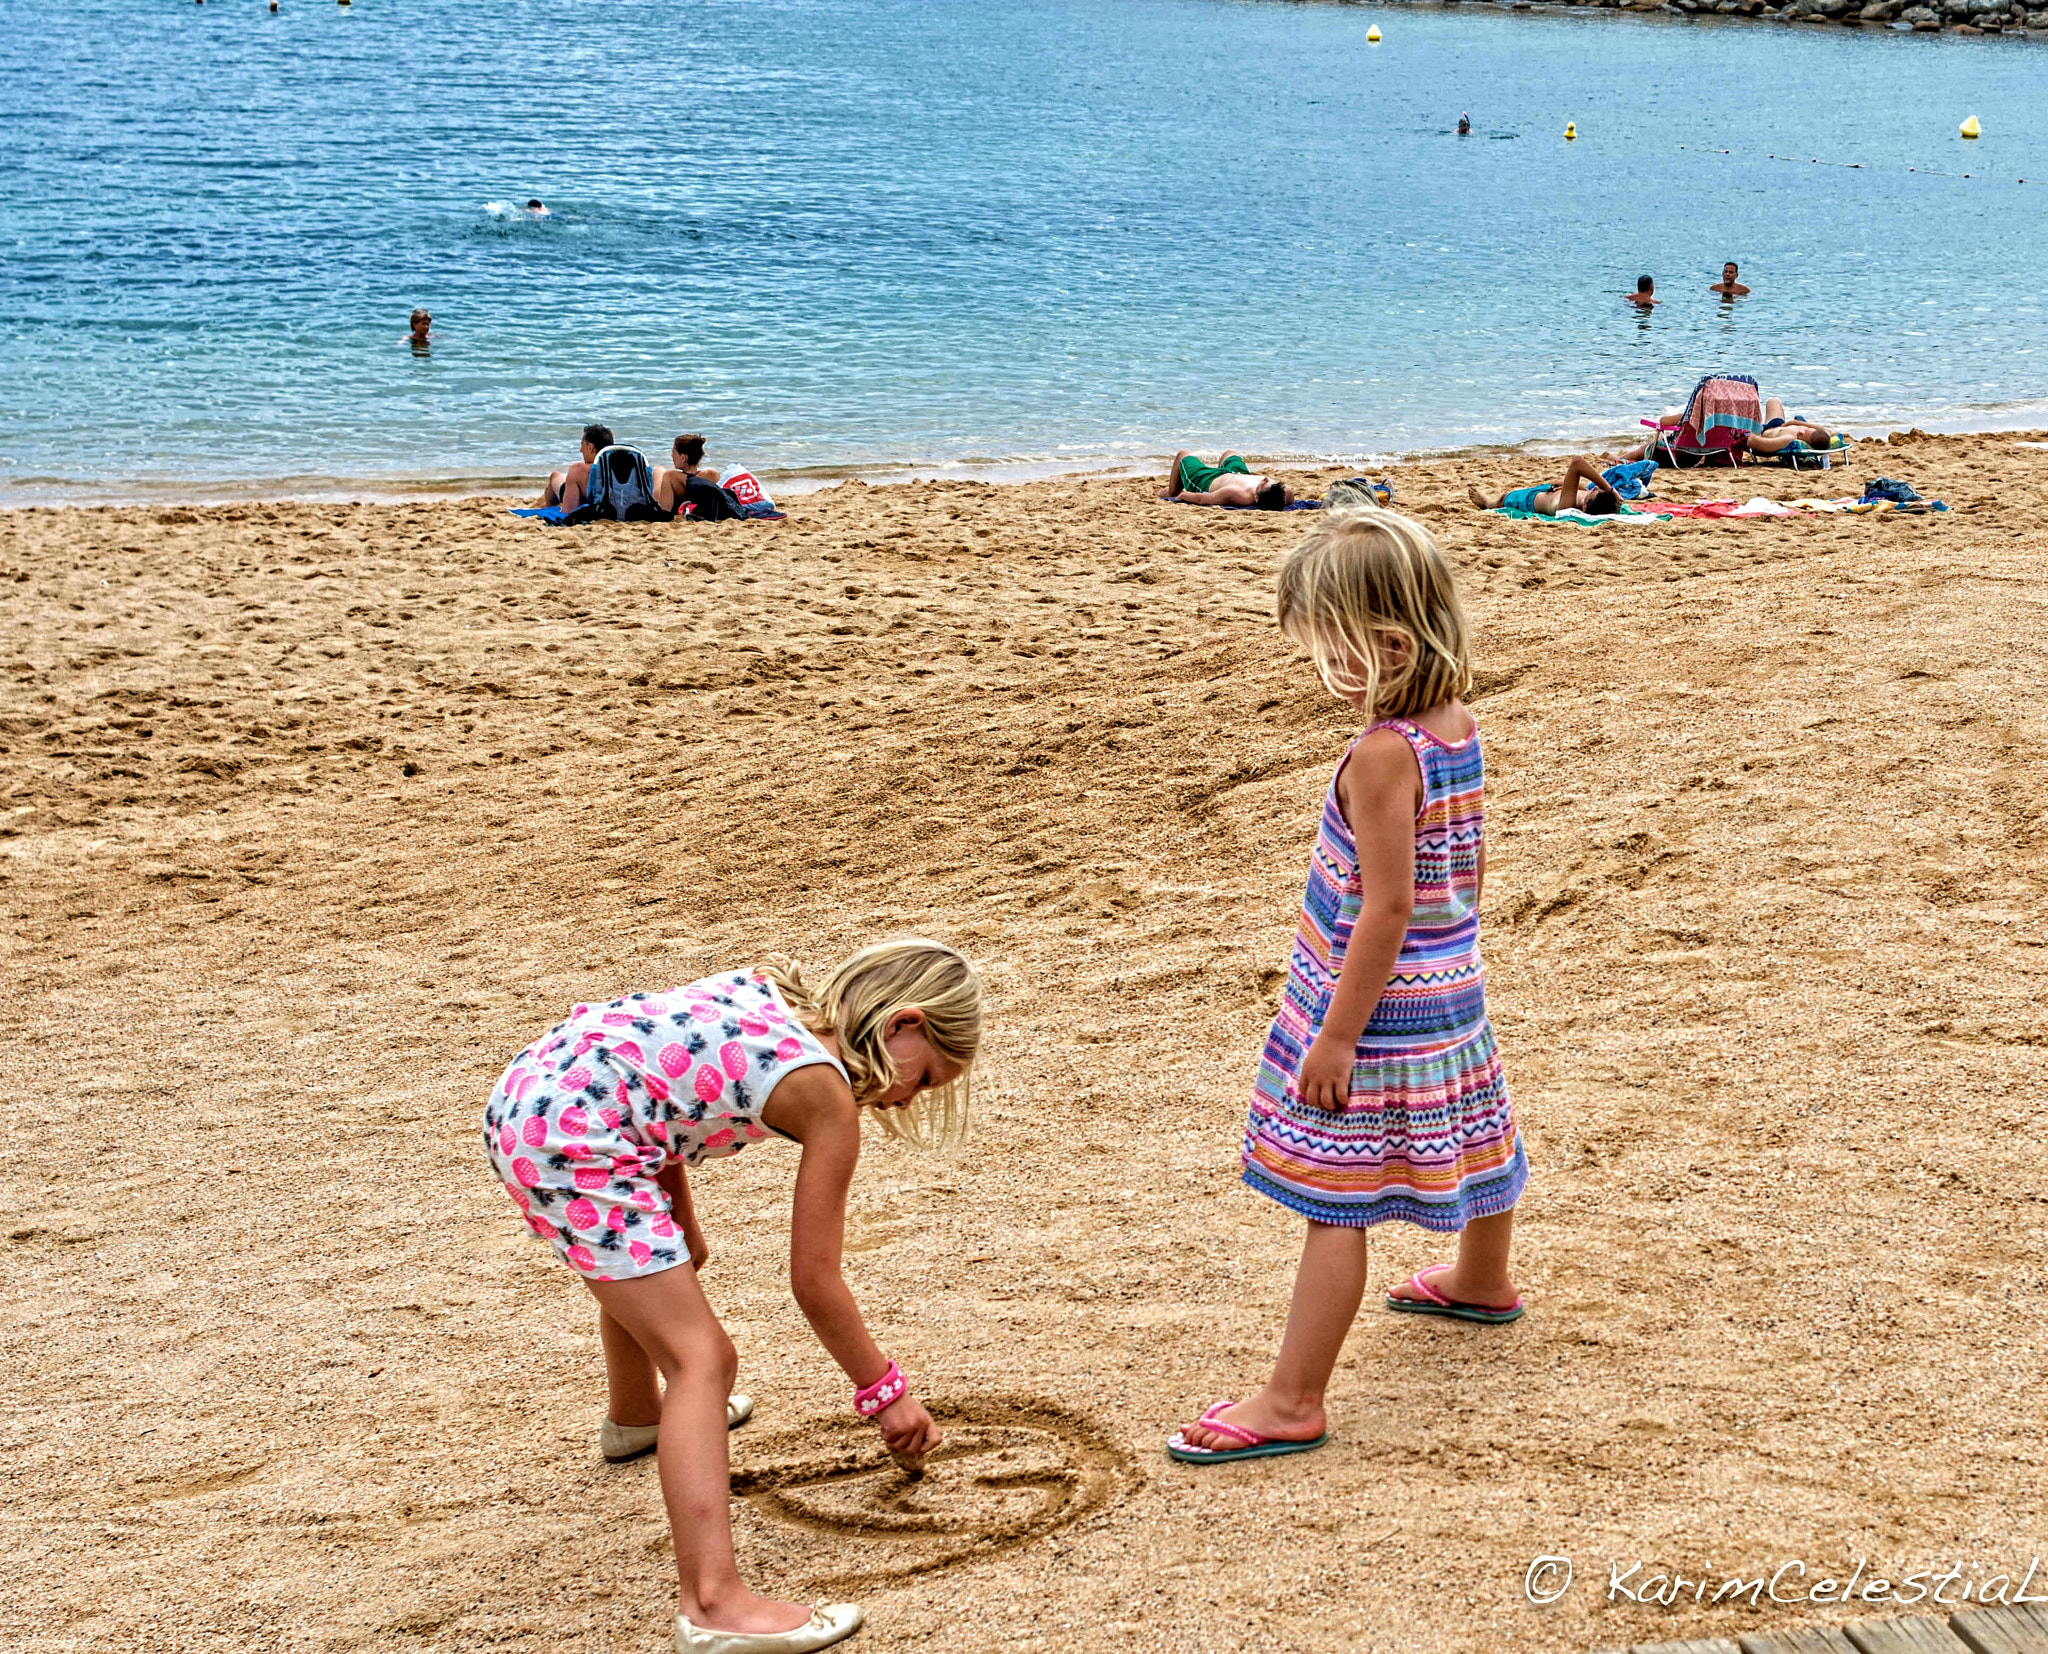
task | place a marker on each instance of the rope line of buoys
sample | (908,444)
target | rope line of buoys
(1849,166)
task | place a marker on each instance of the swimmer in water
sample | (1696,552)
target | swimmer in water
(1728,287)
(1464,126)
(538,210)
(1644,297)
(421,335)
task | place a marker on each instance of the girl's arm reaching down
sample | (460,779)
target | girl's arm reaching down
(1380,791)
(828,1127)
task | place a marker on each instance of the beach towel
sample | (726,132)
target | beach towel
(1758,506)
(1725,402)
(1585,519)
(1211,505)
(1723,409)
(1866,507)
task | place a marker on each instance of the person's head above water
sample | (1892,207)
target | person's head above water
(421,321)
(1464,123)
(535,205)
(1645,285)
(1728,271)
(596,438)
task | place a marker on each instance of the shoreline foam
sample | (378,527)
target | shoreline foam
(799,481)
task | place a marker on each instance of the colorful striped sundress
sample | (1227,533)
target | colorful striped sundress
(1429,1133)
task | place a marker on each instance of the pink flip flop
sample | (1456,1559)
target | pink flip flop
(1433,1302)
(1255,1445)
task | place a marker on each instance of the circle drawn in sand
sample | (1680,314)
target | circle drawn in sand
(1008,1472)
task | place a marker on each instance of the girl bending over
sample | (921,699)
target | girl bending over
(590,1130)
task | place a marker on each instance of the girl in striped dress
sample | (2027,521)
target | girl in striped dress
(1380,1094)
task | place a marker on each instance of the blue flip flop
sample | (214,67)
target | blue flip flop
(1433,1302)
(1255,1445)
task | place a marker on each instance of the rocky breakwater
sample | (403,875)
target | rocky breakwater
(1928,16)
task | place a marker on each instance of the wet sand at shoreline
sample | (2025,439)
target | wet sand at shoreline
(314,814)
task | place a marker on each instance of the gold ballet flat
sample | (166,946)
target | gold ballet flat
(620,1442)
(834,1622)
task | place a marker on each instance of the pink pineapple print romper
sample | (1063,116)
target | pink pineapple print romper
(584,1118)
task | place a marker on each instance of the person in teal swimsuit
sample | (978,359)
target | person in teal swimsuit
(1583,489)
(1228,482)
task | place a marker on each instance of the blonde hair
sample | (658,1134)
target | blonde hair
(864,994)
(1361,579)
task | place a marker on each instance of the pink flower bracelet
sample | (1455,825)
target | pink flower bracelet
(884,1392)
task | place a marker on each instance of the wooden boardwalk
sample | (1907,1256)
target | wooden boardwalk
(1974,1631)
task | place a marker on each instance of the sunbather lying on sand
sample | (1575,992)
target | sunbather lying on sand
(566,488)
(1228,482)
(1583,489)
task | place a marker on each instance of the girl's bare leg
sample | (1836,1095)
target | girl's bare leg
(668,1317)
(1480,1276)
(1327,1290)
(628,1375)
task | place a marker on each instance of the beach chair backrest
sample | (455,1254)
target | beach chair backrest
(622,486)
(1723,409)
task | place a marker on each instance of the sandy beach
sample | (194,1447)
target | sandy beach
(314,815)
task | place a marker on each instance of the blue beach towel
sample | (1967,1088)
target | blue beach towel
(759,511)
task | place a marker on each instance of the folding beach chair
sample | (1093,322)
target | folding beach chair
(1723,409)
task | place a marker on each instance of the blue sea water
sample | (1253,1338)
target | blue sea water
(990,237)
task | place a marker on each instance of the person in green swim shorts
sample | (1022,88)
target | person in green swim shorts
(1228,482)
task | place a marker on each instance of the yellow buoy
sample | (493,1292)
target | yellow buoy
(1373,34)
(1570,131)
(1971,129)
